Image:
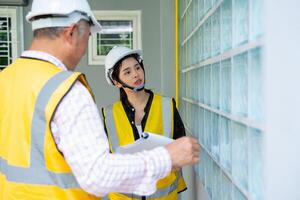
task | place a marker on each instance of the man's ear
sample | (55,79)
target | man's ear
(70,33)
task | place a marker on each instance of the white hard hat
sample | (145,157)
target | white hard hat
(60,13)
(114,56)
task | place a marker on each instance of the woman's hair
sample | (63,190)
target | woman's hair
(116,72)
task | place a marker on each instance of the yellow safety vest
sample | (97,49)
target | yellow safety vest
(159,121)
(31,167)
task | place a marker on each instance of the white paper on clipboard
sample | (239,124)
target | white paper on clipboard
(148,142)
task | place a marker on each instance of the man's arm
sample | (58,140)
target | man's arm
(80,136)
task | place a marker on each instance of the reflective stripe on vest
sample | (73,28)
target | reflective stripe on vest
(160,193)
(111,126)
(105,198)
(167,118)
(37,172)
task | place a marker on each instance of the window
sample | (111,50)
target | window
(221,49)
(8,36)
(118,28)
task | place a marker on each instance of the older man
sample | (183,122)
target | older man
(52,141)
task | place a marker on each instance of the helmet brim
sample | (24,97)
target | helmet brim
(96,27)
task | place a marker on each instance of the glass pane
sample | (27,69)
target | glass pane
(215,26)
(201,122)
(194,49)
(188,85)
(207,129)
(241,24)
(188,21)
(200,44)
(214,2)
(205,167)
(5,41)
(256,185)
(226,24)
(201,9)
(225,143)
(207,39)
(209,176)
(201,167)
(188,115)
(215,85)
(182,85)
(195,13)
(182,110)
(226,188)
(239,85)
(215,137)
(256,18)
(3,36)
(201,85)
(239,154)
(4,61)
(207,5)
(195,85)
(237,195)
(189,54)
(255,85)
(195,124)
(216,189)
(207,85)
(225,86)
(114,32)
(4,24)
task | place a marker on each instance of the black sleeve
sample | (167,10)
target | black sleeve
(104,124)
(178,128)
(103,120)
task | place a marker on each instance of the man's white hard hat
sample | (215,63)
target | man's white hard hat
(60,13)
(114,56)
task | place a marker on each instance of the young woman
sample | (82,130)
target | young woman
(139,110)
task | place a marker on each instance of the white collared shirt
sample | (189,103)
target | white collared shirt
(79,134)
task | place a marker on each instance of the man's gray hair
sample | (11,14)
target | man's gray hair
(51,32)
(54,32)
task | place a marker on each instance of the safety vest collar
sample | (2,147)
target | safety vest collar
(166,121)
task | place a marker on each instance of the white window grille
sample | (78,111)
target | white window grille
(8,36)
(118,28)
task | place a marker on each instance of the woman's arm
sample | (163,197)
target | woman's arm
(178,127)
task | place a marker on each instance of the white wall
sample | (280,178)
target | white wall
(282,85)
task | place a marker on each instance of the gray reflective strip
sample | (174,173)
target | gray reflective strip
(167,119)
(179,174)
(105,198)
(110,125)
(160,193)
(37,172)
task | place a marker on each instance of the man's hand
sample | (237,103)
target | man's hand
(183,151)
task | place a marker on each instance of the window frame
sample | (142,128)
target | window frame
(16,27)
(132,15)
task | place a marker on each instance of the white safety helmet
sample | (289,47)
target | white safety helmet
(60,13)
(114,56)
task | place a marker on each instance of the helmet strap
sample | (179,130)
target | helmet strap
(135,89)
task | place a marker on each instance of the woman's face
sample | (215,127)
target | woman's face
(131,73)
